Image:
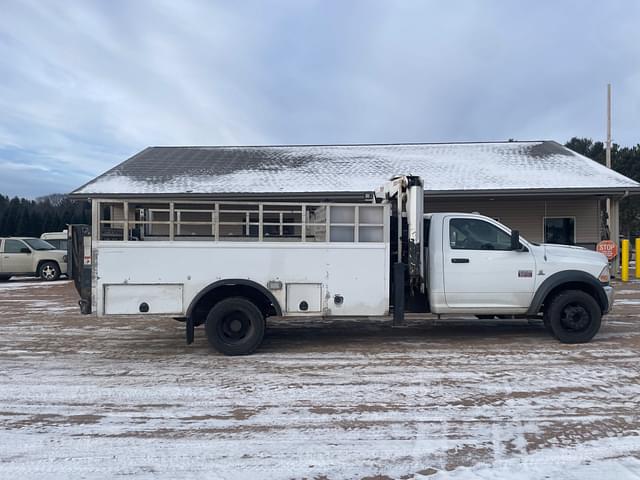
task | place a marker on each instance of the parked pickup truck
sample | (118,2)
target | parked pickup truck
(21,256)
(57,239)
(230,265)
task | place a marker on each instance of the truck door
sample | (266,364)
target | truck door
(16,257)
(481,271)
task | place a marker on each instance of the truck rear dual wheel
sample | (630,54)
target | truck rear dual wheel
(235,326)
(573,316)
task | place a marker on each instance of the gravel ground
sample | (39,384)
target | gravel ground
(82,397)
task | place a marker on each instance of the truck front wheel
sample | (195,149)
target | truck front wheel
(235,326)
(573,316)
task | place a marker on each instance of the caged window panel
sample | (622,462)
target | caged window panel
(220,221)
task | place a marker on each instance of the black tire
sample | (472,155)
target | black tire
(49,271)
(573,316)
(235,326)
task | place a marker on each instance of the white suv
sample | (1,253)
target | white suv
(31,256)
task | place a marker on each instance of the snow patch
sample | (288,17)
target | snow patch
(624,301)
(23,285)
(472,166)
(594,460)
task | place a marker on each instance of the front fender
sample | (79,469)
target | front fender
(572,279)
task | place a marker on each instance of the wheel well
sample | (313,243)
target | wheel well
(45,261)
(201,306)
(583,286)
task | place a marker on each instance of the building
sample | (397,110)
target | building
(548,192)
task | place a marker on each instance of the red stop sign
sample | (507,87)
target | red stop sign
(608,248)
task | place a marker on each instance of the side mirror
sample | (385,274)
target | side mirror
(515,240)
(25,250)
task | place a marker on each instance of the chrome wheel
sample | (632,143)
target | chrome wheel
(49,272)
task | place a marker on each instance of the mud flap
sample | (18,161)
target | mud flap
(190,330)
(399,271)
(79,263)
(85,307)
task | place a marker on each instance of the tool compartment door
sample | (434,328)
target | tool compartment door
(130,299)
(304,297)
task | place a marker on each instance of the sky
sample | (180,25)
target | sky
(86,84)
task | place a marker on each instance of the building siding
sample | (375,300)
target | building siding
(526,215)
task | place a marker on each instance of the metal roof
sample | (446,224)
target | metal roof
(304,170)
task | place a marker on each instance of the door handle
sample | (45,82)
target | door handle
(459,260)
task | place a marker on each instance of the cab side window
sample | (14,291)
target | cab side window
(474,234)
(13,246)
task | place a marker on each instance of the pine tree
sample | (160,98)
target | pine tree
(625,160)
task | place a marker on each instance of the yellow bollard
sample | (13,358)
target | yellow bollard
(637,253)
(624,260)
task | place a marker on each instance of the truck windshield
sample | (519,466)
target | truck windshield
(38,244)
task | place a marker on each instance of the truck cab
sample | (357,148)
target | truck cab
(478,266)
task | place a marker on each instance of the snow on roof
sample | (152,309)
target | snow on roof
(354,168)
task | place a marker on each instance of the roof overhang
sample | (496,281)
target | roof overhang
(365,196)
(238,196)
(536,192)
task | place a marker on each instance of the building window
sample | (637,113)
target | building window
(561,230)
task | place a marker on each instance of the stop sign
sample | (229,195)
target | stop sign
(608,248)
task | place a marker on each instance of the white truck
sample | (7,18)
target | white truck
(231,265)
(57,239)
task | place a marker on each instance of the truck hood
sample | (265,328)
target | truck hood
(584,254)
(57,255)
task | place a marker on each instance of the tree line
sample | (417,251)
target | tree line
(22,217)
(625,160)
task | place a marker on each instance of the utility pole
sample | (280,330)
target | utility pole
(608,154)
(608,151)
(613,211)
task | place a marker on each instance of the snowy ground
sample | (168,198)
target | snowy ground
(88,398)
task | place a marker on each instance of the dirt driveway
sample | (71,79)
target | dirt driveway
(99,398)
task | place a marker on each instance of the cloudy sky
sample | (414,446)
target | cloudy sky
(86,84)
